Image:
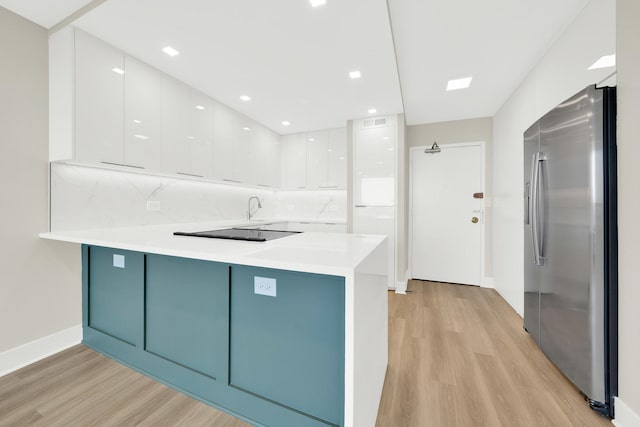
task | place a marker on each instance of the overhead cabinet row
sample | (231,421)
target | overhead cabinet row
(131,114)
(128,113)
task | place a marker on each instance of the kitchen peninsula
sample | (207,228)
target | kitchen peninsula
(289,332)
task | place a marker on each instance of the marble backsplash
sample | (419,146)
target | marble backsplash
(312,205)
(86,197)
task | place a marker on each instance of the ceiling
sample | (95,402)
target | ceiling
(293,59)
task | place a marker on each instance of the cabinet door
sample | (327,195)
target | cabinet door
(99,96)
(261,156)
(201,134)
(295,148)
(243,134)
(142,115)
(337,155)
(272,165)
(187,313)
(115,293)
(317,146)
(223,142)
(375,167)
(175,126)
(289,347)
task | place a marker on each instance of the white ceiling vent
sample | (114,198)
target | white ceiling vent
(374,123)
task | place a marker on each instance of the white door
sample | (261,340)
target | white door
(447,213)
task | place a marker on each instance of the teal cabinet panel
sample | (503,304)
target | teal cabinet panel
(280,364)
(187,313)
(289,349)
(115,292)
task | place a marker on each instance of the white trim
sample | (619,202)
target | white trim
(625,417)
(26,354)
(401,286)
(487,282)
(412,151)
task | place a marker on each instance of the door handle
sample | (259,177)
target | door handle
(474,220)
(537,232)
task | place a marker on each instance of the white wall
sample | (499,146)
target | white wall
(628,39)
(454,132)
(561,73)
(40,280)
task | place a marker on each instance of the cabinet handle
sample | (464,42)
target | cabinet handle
(190,174)
(231,180)
(264,185)
(122,164)
(328,186)
(302,187)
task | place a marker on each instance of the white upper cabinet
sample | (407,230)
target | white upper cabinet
(128,113)
(317,146)
(142,115)
(99,101)
(201,134)
(175,126)
(337,158)
(223,135)
(315,159)
(265,157)
(374,175)
(294,158)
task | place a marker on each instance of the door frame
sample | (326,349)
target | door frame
(414,151)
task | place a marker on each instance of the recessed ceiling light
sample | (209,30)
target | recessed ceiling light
(385,137)
(170,51)
(379,163)
(141,136)
(136,121)
(190,137)
(118,70)
(199,107)
(312,139)
(355,74)
(459,83)
(329,150)
(389,149)
(316,3)
(604,62)
(341,158)
(246,128)
(245,98)
(285,123)
(372,110)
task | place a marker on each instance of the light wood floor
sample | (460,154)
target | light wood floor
(458,356)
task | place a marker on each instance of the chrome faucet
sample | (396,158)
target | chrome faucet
(249,214)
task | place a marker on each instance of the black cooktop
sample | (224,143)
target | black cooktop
(252,235)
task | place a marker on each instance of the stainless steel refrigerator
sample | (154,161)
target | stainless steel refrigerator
(570,241)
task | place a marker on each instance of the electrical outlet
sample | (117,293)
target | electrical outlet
(264,286)
(153,205)
(118,261)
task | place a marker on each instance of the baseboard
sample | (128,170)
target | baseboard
(625,417)
(26,354)
(487,282)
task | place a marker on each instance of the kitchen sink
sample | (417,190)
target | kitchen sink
(248,234)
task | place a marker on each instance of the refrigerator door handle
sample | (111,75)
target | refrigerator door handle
(536,225)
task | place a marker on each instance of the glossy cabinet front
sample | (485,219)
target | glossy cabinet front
(99,101)
(202,327)
(315,160)
(128,113)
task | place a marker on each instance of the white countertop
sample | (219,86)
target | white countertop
(313,252)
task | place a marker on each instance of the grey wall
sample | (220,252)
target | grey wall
(39,280)
(628,68)
(458,131)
